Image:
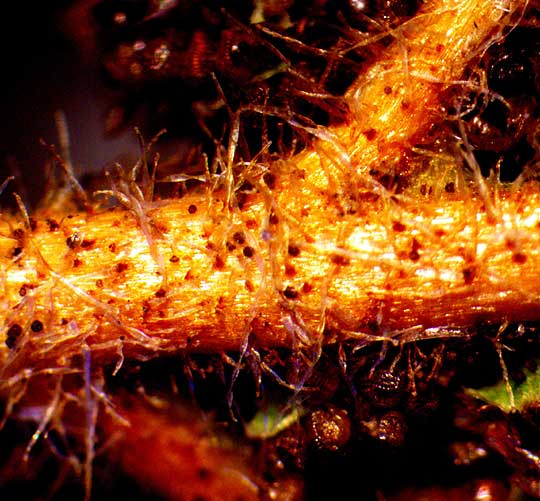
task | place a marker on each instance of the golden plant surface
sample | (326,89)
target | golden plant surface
(317,252)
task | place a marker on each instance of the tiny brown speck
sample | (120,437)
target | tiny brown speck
(219,263)
(293,250)
(290,270)
(77,262)
(99,283)
(370,134)
(14,331)
(388,90)
(112,247)
(73,240)
(248,251)
(239,238)
(192,209)
(36,326)
(398,226)
(290,293)
(414,255)
(450,187)
(340,260)
(22,291)
(307,287)
(161,293)
(468,275)
(273,219)
(16,251)
(121,267)
(13,334)
(86,244)
(174,259)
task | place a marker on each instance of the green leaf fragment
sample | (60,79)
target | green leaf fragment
(271,421)
(524,394)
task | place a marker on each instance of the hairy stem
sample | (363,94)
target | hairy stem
(318,251)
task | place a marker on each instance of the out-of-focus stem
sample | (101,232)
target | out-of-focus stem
(173,453)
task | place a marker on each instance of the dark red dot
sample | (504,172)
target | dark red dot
(340,260)
(370,134)
(519,258)
(248,251)
(468,275)
(120,267)
(414,255)
(290,270)
(192,209)
(87,244)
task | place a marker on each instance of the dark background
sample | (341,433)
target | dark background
(43,72)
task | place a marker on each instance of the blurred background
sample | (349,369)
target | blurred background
(43,73)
